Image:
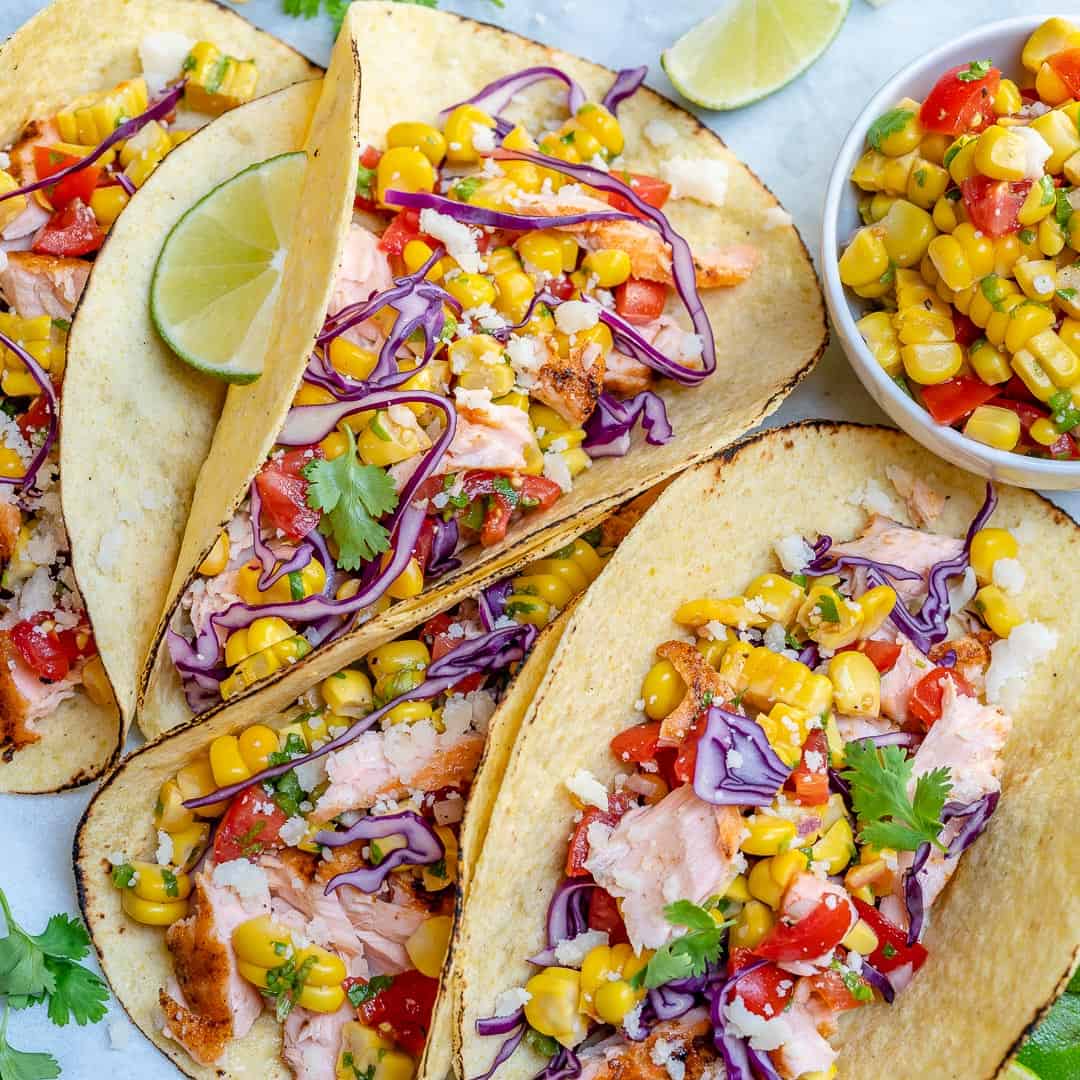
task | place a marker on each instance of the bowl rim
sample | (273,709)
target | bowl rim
(912,417)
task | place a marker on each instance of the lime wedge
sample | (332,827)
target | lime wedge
(750,48)
(219,271)
(1016,1071)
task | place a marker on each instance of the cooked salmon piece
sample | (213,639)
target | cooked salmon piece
(34,285)
(571,385)
(681,848)
(10,524)
(682,1042)
(36,133)
(898,682)
(650,253)
(25,699)
(311,1041)
(625,376)
(364,270)
(806,1050)
(972,655)
(384,922)
(884,540)
(924,503)
(488,436)
(703,684)
(392,763)
(211,1003)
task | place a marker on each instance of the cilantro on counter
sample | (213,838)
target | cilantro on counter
(352,497)
(888,818)
(308,9)
(21,1064)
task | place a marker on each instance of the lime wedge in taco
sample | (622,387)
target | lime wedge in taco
(556,289)
(96,96)
(775,809)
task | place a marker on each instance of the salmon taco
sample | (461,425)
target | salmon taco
(557,288)
(275,893)
(96,96)
(809,779)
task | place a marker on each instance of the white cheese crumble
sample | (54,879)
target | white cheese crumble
(164,853)
(292,832)
(509,1001)
(1009,575)
(703,179)
(571,952)
(1036,151)
(483,138)
(793,552)
(573,316)
(1012,659)
(587,788)
(963,592)
(119,1034)
(664,1054)
(247,880)
(763,1034)
(556,469)
(659,133)
(459,239)
(525,360)
(775,637)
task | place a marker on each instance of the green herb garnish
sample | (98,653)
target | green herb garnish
(888,123)
(688,955)
(976,70)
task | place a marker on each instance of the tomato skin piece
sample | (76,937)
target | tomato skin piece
(893,950)
(924,704)
(811,787)
(283,489)
(41,649)
(951,401)
(882,654)
(649,189)
(954,106)
(1066,66)
(405,1006)
(577,851)
(369,159)
(562,288)
(830,987)
(240,834)
(967,333)
(765,992)
(77,185)
(72,231)
(994,205)
(604,915)
(638,743)
(404,227)
(36,418)
(639,301)
(437,631)
(821,929)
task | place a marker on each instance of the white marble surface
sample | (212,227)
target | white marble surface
(788,139)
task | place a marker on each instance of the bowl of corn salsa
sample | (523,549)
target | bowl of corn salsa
(951,250)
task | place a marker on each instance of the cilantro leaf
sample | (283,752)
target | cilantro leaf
(688,955)
(827,608)
(360,992)
(879,782)
(976,70)
(79,995)
(365,181)
(888,123)
(352,496)
(308,9)
(21,1064)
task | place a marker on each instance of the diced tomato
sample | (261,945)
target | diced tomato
(994,205)
(956,105)
(404,227)
(924,704)
(437,631)
(77,642)
(639,301)
(71,231)
(283,489)
(648,189)
(405,1007)
(250,826)
(686,759)
(77,185)
(36,418)
(365,183)
(766,991)
(577,851)
(966,331)
(539,493)
(1066,66)
(638,743)
(821,929)
(534,492)
(604,915)
(41,647)
(833,991)
(496,519)
(1065,449)
(950,401)
(425,538)
(883,655)
(811,786)
(892,951)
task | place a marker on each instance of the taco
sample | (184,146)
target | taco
(509,305)
(276,895)
(100,83)
(765,820)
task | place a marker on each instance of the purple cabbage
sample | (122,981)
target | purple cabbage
(879,981)
(668,1003)
(567,916)
(761,1064)
(975,816)
(495,97)
(627,337)
(41,377)
(443,546)
(607,431)
(736,766)
(626,84)
(809,654)
(126,130)
(492,602)
(500,1025)
(563,1066)
(733,1049)
(422,847)
(914,899)
(507,1048)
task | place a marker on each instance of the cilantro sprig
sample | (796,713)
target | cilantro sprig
(686,956)
(888,816)
(308,9)
(22,1064)
(976,70)
(352,497)
(888,123)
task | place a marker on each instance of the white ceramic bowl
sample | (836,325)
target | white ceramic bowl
(1001,42)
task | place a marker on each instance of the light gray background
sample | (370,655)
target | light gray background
(789,139)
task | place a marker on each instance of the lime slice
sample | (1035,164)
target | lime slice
(1016,1071)
(219,271)
(750,48)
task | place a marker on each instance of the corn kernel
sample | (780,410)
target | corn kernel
(856,684)
(861,939)
(460,131)
(423,137)
(662,690)
(933,363)
(752,925)
(994,426)
(1001,154)
(865,259)
(880,336)
(403,169)
(997,610)
(768,835)
(837,847)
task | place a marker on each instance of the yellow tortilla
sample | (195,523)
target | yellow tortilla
(120,818)
(988,928)
(769,331)
(136,424)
